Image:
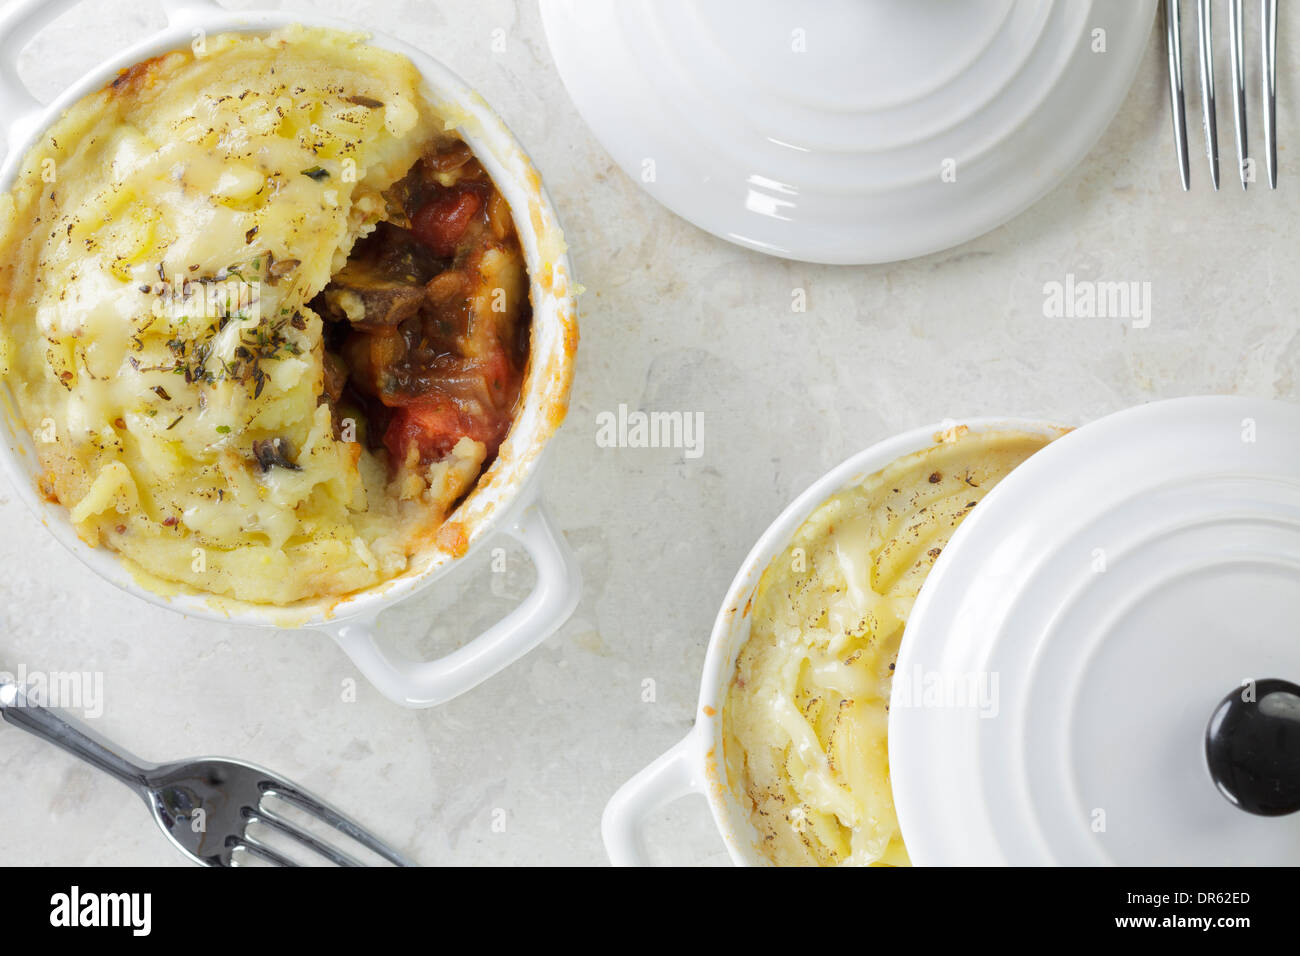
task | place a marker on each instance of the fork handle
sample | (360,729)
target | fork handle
(21,711)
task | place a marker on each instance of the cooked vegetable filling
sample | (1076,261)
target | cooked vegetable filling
(427,325)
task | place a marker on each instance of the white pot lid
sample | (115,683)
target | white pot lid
(847,131)
(1063,660)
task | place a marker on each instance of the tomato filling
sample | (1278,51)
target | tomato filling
(427,325)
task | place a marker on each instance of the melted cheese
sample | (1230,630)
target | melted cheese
(806,715)
(164,229)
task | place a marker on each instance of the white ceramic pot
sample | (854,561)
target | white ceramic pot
(696,763)
(505,500)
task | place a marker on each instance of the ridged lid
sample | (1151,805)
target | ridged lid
(1060,667)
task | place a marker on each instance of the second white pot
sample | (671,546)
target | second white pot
(696,763)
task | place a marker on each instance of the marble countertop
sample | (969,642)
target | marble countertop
(518,770)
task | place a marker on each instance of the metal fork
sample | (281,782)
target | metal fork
(1205,34)
(204,806)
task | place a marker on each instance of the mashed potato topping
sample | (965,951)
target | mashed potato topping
(164,259)
(806,715)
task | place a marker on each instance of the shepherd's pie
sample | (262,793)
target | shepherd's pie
(265,315)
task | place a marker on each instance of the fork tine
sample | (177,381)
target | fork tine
(304,801)
(264,851)
(280,825)
(1268,36)
(1174,45)
(1236,53)
(1208,116)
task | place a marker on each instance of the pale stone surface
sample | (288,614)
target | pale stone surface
(673,320)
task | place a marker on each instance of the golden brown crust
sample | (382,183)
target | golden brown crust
(132,81)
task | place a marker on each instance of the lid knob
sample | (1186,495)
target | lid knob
(1252,747)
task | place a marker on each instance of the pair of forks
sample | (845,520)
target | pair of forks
(206,806)
(1236,53)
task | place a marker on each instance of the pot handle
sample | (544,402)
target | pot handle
(554,597)
(674,775)
(20,21)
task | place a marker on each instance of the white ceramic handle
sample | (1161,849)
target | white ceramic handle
(674,775)
(183,11)
(428,683)
(20,21)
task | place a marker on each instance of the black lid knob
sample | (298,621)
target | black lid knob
(1252,747)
